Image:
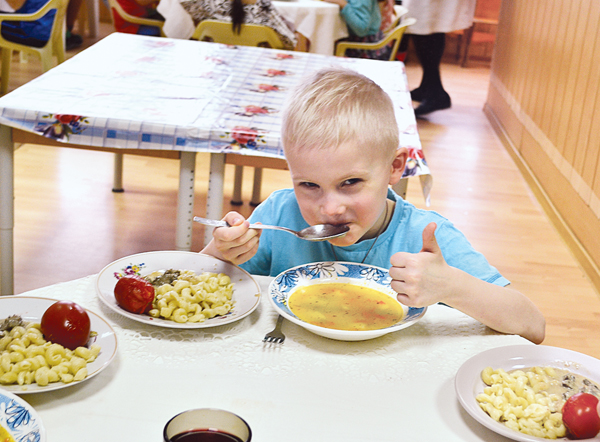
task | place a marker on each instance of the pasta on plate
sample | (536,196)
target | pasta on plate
(26,357)
(521,401)
(192,298)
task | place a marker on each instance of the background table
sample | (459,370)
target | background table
(133,93)
(317,20)
(397,387)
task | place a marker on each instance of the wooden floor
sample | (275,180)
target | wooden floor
(69,224)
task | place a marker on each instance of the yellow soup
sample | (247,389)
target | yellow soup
(5,436)
(345,306)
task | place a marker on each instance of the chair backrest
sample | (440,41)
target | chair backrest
(54,46)
(393,35)
(250,34)
(116,8)
(399,12)
(60,6)
(396,35)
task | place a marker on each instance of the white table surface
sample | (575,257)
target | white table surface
(317,20)
(399,387)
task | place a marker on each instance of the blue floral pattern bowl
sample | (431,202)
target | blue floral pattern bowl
(346,272)
(20,419)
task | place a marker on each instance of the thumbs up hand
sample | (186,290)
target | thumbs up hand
(420,278)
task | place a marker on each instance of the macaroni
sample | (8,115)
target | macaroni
(193,298)
(520,401)
(26,357)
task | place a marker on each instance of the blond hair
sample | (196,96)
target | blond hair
(335,106)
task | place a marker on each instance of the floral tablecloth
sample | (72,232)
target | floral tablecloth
(138,92)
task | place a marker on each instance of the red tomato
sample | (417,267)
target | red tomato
(580,416)
(67,324)
(134,294)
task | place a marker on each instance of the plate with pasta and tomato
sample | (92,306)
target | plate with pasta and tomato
(177,289)
(36,358)
(532,393)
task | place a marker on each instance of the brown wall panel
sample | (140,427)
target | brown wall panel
(545,97)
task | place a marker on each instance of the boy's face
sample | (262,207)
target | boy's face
(344,185)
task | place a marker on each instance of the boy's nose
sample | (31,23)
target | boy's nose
(332,207)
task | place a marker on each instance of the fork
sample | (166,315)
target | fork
(275,336)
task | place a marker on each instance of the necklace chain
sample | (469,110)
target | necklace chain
(379,232)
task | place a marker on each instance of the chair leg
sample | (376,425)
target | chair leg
(47,61)
(468,37)
(59,49)
(6,56)
(93,13)
(236,200)
(459,38)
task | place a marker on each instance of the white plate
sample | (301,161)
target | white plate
(20,419)
(31,309)
(246,291)
(468,381)
(347,272)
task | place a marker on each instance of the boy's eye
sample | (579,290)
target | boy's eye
(308,185)
(351,182)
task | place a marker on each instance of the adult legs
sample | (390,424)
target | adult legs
(431,93)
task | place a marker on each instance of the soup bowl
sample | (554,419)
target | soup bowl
(363,275)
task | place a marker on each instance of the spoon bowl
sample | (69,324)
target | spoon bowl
(320,232)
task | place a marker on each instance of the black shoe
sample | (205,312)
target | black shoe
(432,104)
(417,94)
(73,41)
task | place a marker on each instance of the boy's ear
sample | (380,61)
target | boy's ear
(398,165)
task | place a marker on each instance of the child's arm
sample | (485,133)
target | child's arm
(425,278)
(358,15)
(236,244)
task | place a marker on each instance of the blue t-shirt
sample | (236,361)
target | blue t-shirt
(32,33)
(362,17)
(280,251)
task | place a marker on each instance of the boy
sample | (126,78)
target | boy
(341,140)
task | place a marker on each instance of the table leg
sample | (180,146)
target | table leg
(118,174)
(185,201)
(255,200)
(214,199)
(7,214)
(236,200)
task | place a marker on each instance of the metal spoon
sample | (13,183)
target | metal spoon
(320,232)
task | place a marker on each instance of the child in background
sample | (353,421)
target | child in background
(363,18)
(341,141)
(239,12)
(33,33)
(138,8)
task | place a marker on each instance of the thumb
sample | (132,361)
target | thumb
(429,242)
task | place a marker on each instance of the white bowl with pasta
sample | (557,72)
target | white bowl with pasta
(246,291)
(468,382)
